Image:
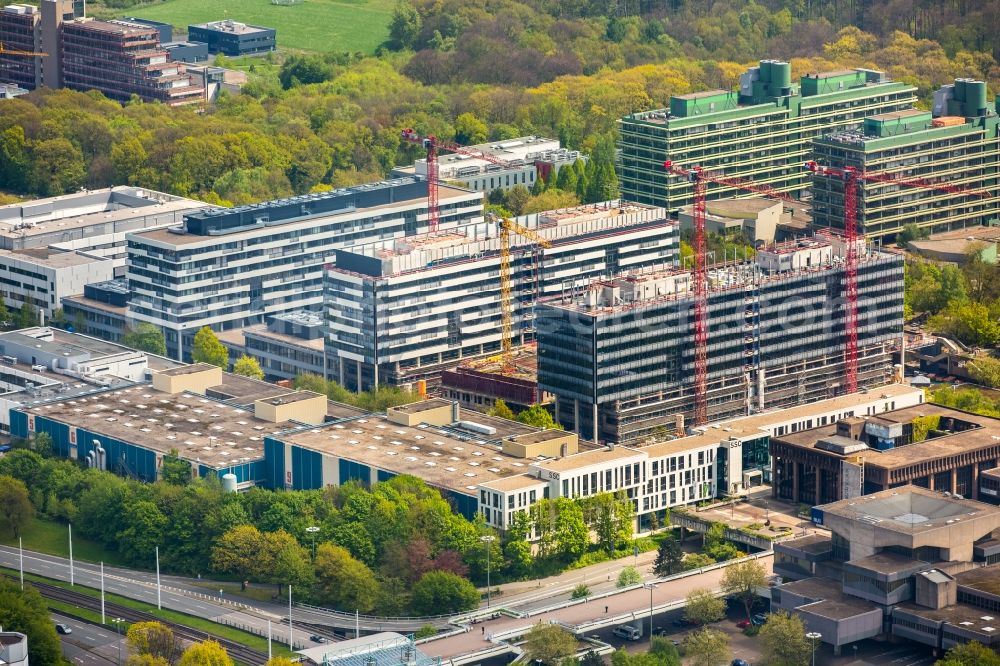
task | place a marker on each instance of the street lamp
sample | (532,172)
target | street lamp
(118,628)
(814,637)
(650,587)
(312,535)
(487,539)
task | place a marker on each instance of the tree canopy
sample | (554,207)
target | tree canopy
(248,366)
(25,611)
(208,349)
(145,337)
(549,643)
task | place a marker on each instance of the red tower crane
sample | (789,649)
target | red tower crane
(851,176)
(698,178)
(433,144)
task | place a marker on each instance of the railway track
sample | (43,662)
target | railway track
(237,651)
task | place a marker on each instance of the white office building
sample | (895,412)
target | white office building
(402,310)
(231,268)
(524,158)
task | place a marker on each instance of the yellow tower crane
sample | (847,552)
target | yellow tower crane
(507,227)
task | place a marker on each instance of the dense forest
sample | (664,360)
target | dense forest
(472,70)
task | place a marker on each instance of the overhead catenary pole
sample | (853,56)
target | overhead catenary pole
(291,645)
(70,526)
(20,557)
(158,606)
(102,592)
(357,624)
(269,640)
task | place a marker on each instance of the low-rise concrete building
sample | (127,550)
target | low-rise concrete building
(13,648)
(756,220)
(928,445)
(907,562)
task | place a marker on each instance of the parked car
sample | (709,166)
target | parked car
(758,619)
(740,662)
(743,624)
(316,638)
(628,632)
(63,629)
(659,631)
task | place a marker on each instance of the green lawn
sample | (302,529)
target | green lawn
(315,25)
(45,536)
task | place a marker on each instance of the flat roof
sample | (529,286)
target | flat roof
(423,406)
(84,209)
(51,258)
(230,26)
(755,425)
(888,563)
(237,338)
(898,115)
(204,431)
(587,458)
(165,236)
(967,617)
(984,435)
(518,482)
(290,398)
(182,370)
(908,509)
(240,390)
(705,93)
(831,602)
(985,579)
(105,348)
(812,543)
(444,457)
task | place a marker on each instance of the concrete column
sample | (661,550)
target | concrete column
(358,370)
(576,417)
(795,481)
(596,425)
(954,480)
(974,491)
(930,481)
(818,484)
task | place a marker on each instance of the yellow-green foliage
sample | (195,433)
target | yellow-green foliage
(923,425)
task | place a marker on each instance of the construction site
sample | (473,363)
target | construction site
(621,356)
(402,311)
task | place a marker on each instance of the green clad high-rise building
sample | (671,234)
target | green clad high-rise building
(957,144)
(761,133)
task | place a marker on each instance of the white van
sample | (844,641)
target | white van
(628,632)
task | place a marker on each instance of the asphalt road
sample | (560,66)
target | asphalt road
(89,645)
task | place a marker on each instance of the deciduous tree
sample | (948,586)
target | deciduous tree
(344,582)
(704,607)
(154,639)
(628,576)
(549,643)
(25,611)
(439,592)
(783,640)
(538,416)
(239,552)
(208,349)
(248,367)
(741,581)
(208,653)
(15,506)
(145,337)
(501,409)
(707,647)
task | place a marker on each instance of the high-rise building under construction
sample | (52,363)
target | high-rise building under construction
(761,132)
(619,357)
